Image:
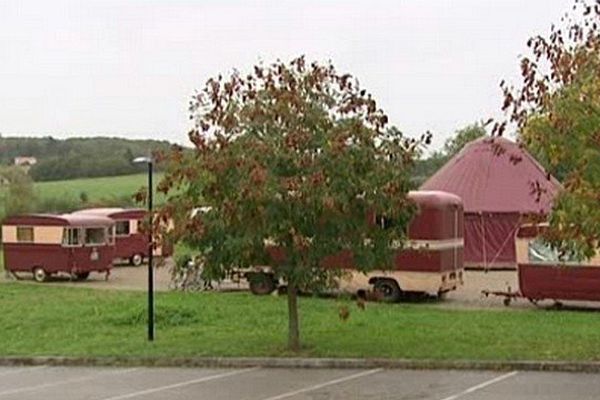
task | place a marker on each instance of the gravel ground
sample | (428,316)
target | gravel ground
(124,277)
(468,296)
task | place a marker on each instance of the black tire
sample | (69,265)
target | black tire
(282,290)
(388,290)
(261,283)
(558,305)
(533,301)
(82,276)
(40,275)
(136,260)
(361,294)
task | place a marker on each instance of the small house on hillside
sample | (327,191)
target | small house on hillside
(24,161)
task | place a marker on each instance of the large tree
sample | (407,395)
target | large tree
(425,167)
(17,196)
(556,108)
(295,155)
(453,145)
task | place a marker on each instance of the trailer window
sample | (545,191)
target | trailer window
(72,237)
(25,234)
(541,252)
(122,228)
(95,236)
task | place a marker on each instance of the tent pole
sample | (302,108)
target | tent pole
(483,243)
(456,236)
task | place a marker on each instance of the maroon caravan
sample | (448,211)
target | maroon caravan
(431,263)
(499,184)
(48,244)
(544,275)
(131,244)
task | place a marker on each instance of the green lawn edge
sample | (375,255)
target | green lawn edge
(44,320)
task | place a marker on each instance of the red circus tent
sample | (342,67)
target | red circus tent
(497,181)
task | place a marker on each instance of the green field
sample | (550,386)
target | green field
(50,320)
(68,195)
(96,189)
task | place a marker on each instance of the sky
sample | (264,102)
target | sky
(128,68)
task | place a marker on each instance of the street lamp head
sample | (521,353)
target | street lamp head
(142,160)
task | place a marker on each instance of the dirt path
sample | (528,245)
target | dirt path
(122,277)
(467,296)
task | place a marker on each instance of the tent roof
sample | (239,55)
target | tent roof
(496,175)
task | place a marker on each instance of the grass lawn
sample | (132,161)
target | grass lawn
(50,320)
(96,188)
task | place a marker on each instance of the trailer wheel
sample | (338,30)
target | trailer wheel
(39,274)
(558,305)
(533,301)
(388,289)
(506,301)
(82,276)
(261,283)
(136,260)
(282,290)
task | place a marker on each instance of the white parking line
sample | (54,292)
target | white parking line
(481,385)
(66,381)
(180,384)
(325,384)
(19,370)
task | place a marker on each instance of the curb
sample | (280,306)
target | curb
(274,362)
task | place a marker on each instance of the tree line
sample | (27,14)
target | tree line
(59,159)
(426,166)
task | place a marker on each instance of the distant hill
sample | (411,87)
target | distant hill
(59,159)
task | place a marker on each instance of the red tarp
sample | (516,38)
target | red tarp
(497,181)
(490,240)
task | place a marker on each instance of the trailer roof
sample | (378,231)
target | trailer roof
(59,220)
(112,212)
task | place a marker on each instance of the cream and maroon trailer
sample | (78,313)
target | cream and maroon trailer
(545,274)
(130,243)
(432,260)
(49,244)
(431,263)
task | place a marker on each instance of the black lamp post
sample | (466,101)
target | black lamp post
(149,162)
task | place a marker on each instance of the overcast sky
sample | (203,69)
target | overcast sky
(127,68)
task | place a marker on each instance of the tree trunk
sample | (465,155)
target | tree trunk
(293,328)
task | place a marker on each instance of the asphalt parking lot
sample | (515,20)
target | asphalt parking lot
(70,383)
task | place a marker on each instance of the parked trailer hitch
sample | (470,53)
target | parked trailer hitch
(509,296)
